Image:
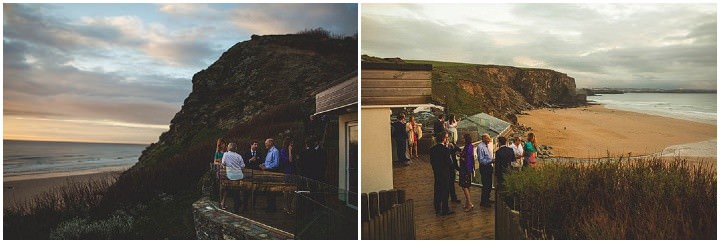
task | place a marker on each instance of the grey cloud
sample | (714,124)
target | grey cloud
(596,44)
(289,18)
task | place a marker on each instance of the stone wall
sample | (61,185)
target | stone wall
(211,223)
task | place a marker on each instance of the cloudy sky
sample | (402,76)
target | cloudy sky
(600,45)
(119,72)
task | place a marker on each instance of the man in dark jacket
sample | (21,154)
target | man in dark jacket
(441,165)
(503,157)
(401,136)
(254,157)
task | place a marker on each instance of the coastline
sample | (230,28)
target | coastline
(595,131)
(18,189)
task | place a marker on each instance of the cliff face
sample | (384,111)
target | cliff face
(258,88)
(501,91)
(253,76)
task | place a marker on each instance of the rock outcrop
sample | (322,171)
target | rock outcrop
(255,75)
(258,88)
(501,91)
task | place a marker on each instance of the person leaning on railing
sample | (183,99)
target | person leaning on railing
(234,164)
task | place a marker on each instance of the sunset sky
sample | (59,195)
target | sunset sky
(600,45)
(119,72)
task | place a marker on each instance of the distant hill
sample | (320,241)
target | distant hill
(501,91)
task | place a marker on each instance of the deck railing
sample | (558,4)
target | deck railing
(315,210)
(387,216)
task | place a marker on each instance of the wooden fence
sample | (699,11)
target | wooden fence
(507,223)
(387,216)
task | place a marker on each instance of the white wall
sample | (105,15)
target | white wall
(376,164)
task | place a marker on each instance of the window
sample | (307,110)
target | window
(351,166)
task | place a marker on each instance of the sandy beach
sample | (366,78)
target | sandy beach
(22,189)
(593,131)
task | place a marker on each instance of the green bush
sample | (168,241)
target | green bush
(119,226)
(640,199)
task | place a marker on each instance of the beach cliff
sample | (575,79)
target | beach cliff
(501,91)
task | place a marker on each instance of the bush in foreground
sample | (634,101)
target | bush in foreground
(640,199)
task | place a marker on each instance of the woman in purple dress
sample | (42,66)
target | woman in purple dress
(467,167)
(288,166)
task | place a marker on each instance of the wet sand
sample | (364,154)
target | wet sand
(594,131)
(23,188)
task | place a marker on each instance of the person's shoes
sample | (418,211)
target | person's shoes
(407,163)
(447,213)
(468,209)
(456,201)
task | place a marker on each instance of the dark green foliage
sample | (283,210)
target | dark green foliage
(35,218)
(119,226)
(642,199)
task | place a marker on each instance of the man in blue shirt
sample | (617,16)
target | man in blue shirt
(272,159)
(272,163)
(486,170)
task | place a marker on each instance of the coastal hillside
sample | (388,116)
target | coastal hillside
(501,91)
(260,88)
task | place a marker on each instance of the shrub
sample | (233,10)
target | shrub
(119,226)
(640,199)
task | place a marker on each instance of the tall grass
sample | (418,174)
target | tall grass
(641,199)
(35,218)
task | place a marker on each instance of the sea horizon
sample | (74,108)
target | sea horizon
(23,159)
(697,107)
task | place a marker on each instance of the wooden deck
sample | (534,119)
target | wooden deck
(277,219)
(417,180)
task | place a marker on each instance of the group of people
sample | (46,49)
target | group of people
(446,158)
(308,162)
(407,134)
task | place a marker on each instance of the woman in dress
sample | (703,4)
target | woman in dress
(220,149)
(467,167)
(288,166)
(410,127)
(530,150)
(451,127)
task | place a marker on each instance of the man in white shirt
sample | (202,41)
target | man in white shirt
(234,164)
(485,158)
(518,148)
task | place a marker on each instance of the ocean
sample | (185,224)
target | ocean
(23,158)
(693,107)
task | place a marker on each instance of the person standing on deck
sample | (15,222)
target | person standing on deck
(272,163)
(486,169)
(441,164)
(517,147)
(401,137)
(253,156)
(451,126)
(233,163)
(287,163)
(467,170)
(503,157)
(454,152)
(530,151)
(413,136)
(439,125)
(272,159)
